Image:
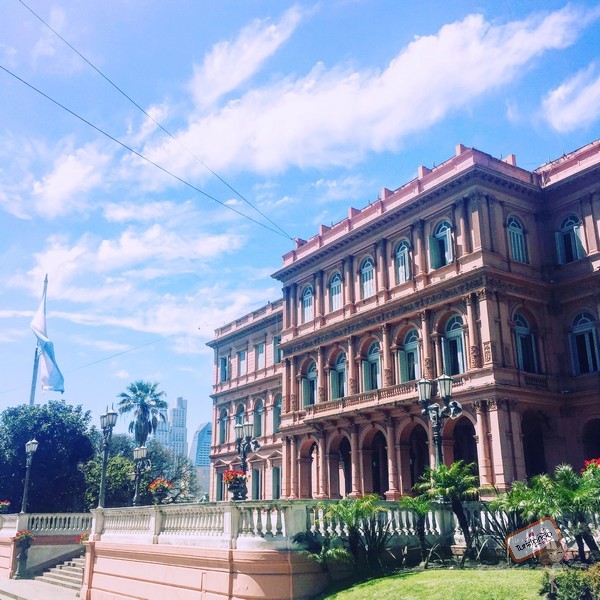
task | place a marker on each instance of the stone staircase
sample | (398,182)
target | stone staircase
(68,574)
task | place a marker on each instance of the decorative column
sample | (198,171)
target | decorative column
(421,259)
(463,217)
(285,467)
(481,439)
(286,306)
(355,493)
(489,330)
(474,348)
(351,365)
(320,294)
(321,443)
(294,468)
(321,393)
(293,385)
(500,450)
(427,360)
(393,493)
(439,358)
(387,369)
(294,306)
(285,386)
(382,270)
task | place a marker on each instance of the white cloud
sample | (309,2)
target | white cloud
(231,63)
(64,190)
(344,188)
(575,103)
(131,211)
(337,116)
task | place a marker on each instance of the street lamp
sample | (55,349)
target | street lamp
(438,414)
(245,444)
(142,463)
(107,422)
(30,448)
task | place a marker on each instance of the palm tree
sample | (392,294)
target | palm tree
(454,484)
(147,405)
(566,496)
(419,506)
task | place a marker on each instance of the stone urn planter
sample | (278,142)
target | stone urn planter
(238,489)
(23,541)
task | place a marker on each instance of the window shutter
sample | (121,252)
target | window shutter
(460,355)
(445,356)
(403,366)
(305,392)
(449,251)
(366,376)
(407,269)
(434,253)
(417,364)
(580,240)
(560,247)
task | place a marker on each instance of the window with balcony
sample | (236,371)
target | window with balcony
(239,415)
(338,377)
(367,279)
(516,236)
(584,344)
(335,292)
(526,347)
(276,349)
(570,241)
(408,358)
(402,262)
(453,354)
(309,385)
(372,368)
(440,246)
(307,305)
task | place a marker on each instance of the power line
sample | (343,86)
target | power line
(139,154)
(123,93)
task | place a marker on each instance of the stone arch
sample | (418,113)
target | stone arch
(339,455)
(414,452)
(374,449)
(459,440)
(308,462)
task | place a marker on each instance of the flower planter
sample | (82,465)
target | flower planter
(238,489)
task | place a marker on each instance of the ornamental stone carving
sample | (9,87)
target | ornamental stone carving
(387,377)
(352,386)
(476,357)
(428,367)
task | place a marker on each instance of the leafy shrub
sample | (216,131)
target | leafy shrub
(593,577)
(570,584)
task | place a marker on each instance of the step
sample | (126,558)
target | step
(73,583)
(75,570)
(62,576)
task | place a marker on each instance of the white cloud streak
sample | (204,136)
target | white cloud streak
(575,103)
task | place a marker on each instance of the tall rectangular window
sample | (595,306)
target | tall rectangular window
(276,349)
(260,356)
(335,293)
(276,485)
(220,491)
(242,365)
(224,368)
(256,484)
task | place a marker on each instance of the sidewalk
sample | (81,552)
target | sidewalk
(30,589)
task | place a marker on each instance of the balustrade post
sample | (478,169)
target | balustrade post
(97,524)
(156,522)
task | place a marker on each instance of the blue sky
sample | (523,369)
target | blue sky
(303,109)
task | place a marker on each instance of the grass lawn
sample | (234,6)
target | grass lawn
(491,584)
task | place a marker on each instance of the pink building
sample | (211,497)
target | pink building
(478,269)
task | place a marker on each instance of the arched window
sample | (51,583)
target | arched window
(570,242)
(239,415)
(335,292)
(584,344)
(402,262)
(525,342)
(440,246)
(338,377)
(258,413)
(453,353)
(309,385)
(372,368)
(408,358)
(223,427)
(367,279)
(516,234)
(307,305)
(277,414)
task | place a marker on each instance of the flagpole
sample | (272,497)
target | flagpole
(36,358)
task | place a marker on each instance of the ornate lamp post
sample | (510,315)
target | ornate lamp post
(438,414)
(142,463)
(30,448)
(107,422)
(245,444)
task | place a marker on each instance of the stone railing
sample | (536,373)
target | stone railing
(250,524)
(46,524)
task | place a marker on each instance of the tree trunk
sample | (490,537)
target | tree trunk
(422,543)
(580,546)
(457,509)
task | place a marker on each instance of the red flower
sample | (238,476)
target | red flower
(230,476)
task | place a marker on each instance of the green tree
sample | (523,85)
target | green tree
(453,484)
(419,506)
(367,533)
(119,486)
(566,496)
(146,403)
(56,484)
